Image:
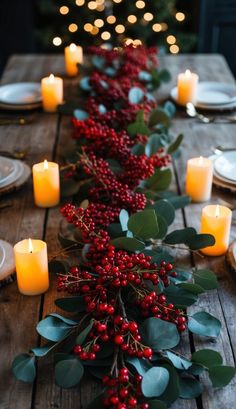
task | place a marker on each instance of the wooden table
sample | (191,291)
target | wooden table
(19,314)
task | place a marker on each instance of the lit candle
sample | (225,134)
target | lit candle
(216,220)
(31,266)
(199,179)
(187,87)
(46,182)
(73,56)
(52,92)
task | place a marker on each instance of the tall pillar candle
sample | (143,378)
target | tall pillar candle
(52,92)
(187,87)
(73,56)
(216,220)
(31,266)
(46,183)
(199,179)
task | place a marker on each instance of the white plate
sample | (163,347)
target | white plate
(216,93)
(18,171)
(21,93)
(7,168)
(211,107)
(225,165)
(11,107)
(2,255)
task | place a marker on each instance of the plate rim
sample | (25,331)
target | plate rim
(220,156)
(19,84)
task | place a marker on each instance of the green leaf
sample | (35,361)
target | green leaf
(128,243)
(180,236)
(160,254)
(42,351)
(69,187)
(176,144)
(203,323)
(165,209)
(162,227)
(83,335)
(124,218)
(114,166)
(67,108)
(80,114)
(207,357)
(221,375)
(23,367)
(179,296)
(141,365)
(115,230)
(138,149)
(58,266)
(156,404)
(189,388)
(64,319)
(135,95)
(99,371)
(96,403)
(172,391)
(143,224)
(65,242)
(206,279)
(71,304)
(178,362)
(137,128)
(69,372)
(169,108)
(154,382)
(192,288)
(164,75)
(53,328)
(200,241)
(196,369)
(182,276)
(179,201)
(153,144)
(159,116)
(85,84)
(159,334)
(160,180)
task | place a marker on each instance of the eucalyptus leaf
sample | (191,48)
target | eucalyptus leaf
(85,84)
(162,227)
(169,108)
(192,288)
(115,230)
(159,116)
(135,95)
(43,350)
(99,371)
(206,279)
(67,243)
(207,358)
(153,144)
(128,243)
(178,362)
(221,375)
(154,382)
(145,76)
(53,328)
(164,75)
(98,62)
(172,391)
(138,149)
(160,180)
(23,367)
(83,335)
(165,209)
(156,404)
(124,218)
(141,365)
(189,387)
(179,297)
(69,372)
(180,201)
(58,266)
(159,334)
(180,236)
(143,224)
(80,114)
(96,403)
(203,323)
(71,304)
(200,241)
(176,144)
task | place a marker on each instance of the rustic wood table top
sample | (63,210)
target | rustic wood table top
(19,314)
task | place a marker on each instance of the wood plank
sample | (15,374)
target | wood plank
(221,303)
(19,314)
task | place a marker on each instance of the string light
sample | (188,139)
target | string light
(111,19)
(156,27)
(94,31)
(79,2)
(88,27)
(148,16)
(137,42)
(92,5)
(117,1)
(128,41)
(164,26)
(64,10)
(99,23)
(140,4)
(132,19)
(174,49)
(120,28)
(73,27)
(171,39)
(180,16)
(106,35)
(100,7)
(57,41)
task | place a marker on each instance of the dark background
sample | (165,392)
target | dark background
(213,21)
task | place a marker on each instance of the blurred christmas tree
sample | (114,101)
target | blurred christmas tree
(152,22)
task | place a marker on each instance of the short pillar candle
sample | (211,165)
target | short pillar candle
(187,87)
(31,266)
(199,179)
(52,93)
(216,220)
(73,57)
(46,183)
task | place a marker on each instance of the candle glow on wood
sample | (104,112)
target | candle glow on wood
(46,182)
(187,87)
(199,179)
(216,220)
(73,57)
(52,92)
(31,266)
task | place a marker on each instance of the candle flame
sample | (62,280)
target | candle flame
(188,73)
(200,160)
(30,245)
(72,47)
(217,212)
(45,164)
(51,78)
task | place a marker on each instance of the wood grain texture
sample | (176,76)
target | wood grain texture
(45,138)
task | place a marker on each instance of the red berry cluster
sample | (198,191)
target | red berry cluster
(124,391)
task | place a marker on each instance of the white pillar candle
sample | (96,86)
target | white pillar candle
(199,179)
(73,57)
(46,182)
(52,92)
(187,87)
